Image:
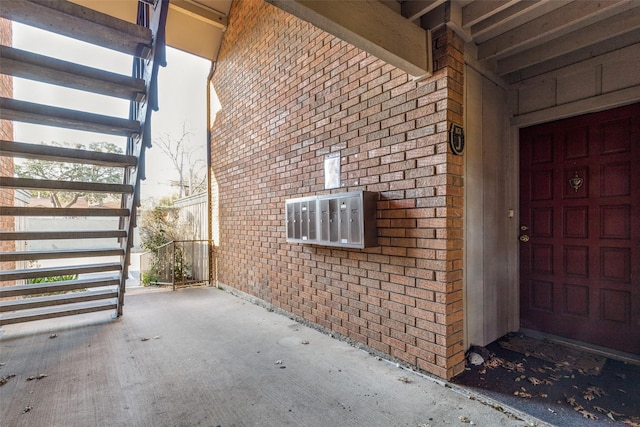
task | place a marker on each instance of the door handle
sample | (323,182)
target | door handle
(524,238)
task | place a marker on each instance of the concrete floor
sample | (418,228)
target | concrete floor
(203,357)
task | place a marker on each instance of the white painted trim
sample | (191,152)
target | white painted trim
(590,105)
(609,57)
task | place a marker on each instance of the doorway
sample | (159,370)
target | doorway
(580,228)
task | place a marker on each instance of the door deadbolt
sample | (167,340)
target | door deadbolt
(524,228)
(524,238)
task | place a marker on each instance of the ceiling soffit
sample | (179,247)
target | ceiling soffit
(193,26)
(513,39)
(518,39)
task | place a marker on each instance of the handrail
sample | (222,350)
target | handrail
(153,15)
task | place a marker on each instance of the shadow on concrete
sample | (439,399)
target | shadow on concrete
(204,357)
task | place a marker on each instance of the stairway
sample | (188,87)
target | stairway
(69,284)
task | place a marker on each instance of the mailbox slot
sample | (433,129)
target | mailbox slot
(334,221)
(343,219)
(355,218)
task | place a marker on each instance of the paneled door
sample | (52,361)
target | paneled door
(580,228)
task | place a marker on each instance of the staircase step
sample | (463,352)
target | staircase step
(20,63)
(79,22)
(59,254)
(29,112)
(45,184)
(61,286)
(62,154)
(66,212)
(61,235)
(59,311)
(51,300)
(32,273)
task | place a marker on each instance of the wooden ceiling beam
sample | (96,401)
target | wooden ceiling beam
(615,26)
(550,26)
(512,17)
(372,27)
(200,12)
(477,11)
(413,10)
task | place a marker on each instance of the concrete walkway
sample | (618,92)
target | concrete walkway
(203,357)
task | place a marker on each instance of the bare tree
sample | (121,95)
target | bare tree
(186,160)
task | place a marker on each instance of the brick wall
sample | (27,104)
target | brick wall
(6,163)
(290,94)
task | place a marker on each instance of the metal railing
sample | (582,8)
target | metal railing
(177,263)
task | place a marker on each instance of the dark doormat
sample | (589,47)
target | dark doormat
(569,388)
(561,356)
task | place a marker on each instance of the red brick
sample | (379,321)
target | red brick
(392,135)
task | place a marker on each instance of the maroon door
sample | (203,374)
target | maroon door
(580,228)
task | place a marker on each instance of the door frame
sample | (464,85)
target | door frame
(544,117)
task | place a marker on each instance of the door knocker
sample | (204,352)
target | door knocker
(576,182)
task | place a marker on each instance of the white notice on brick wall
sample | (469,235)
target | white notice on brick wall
(332,171)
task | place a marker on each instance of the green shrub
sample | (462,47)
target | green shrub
(51,279)
(149,278)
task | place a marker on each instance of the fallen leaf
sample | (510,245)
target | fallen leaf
(571,401)
(464,419)
(494,362)
(304,342)
(610,415)
(633,421)
(144,339)
(278,362)
(596,390)
(544,395)
(37,377)
(52,336)
(27,409)
(522,394)
(6,379)
(534,381)
(157,337)
(600,409)
(520,378)
(513,366)
(405,380)
(588,414)
(547,382)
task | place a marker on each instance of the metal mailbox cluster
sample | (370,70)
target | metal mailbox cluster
(343,219)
